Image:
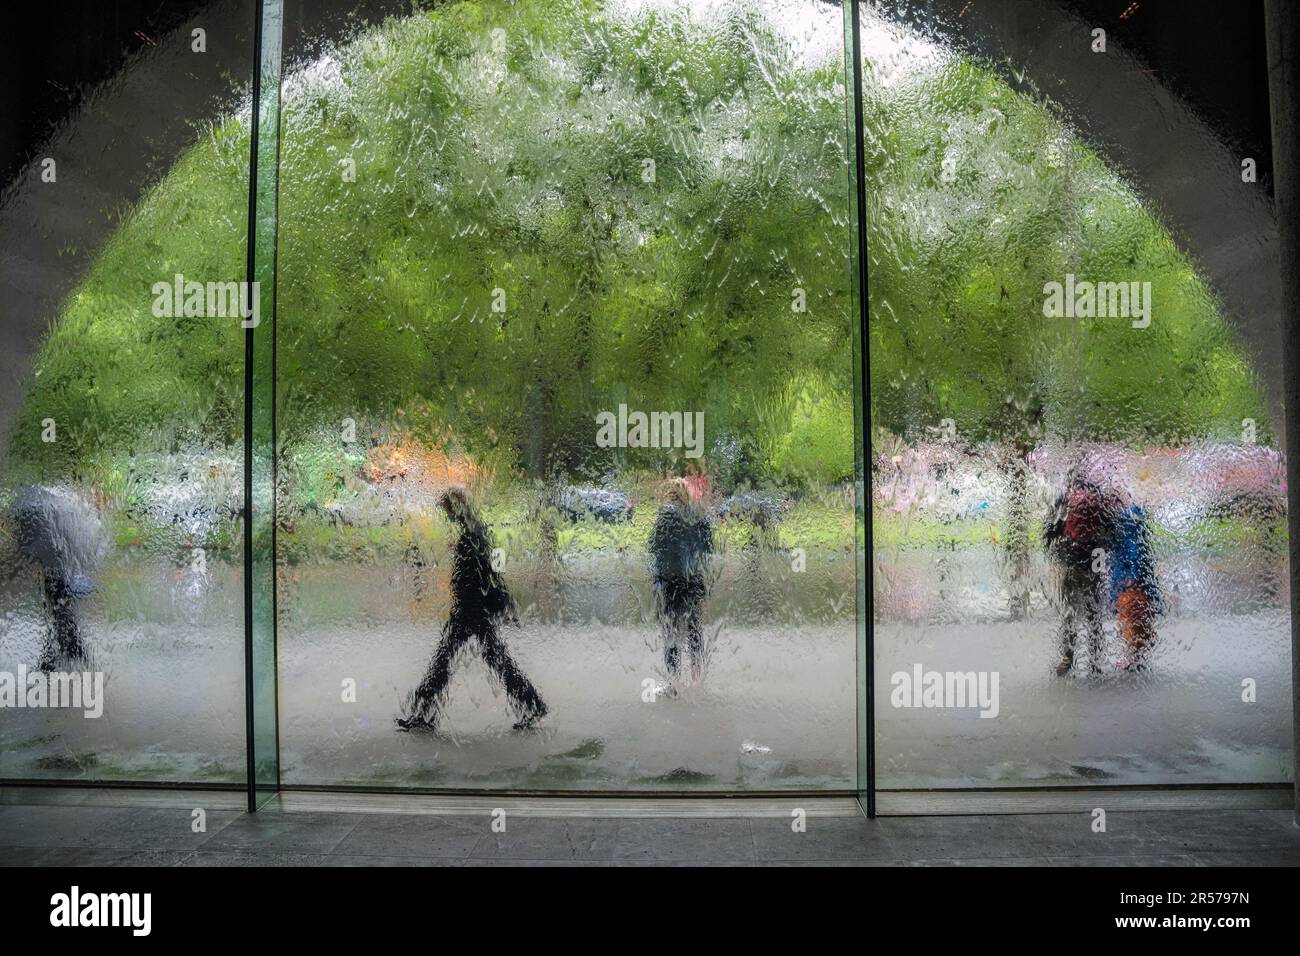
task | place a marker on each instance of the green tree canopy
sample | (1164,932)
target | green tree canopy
(979,198)
(650,200)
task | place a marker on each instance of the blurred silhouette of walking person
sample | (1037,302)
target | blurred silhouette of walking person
(1078,537)
(1135,590)
(757,519)
(480,604)
(680,543)
(62,535)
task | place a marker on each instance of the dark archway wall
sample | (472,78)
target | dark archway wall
(1171,150)
(1284,86)
(1215,60)
(54,54)
(122,108)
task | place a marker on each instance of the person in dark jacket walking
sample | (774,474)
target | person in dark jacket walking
(680,543)
(480,603)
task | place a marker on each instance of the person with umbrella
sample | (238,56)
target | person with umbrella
(61,535)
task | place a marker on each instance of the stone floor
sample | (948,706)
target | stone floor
(40,827)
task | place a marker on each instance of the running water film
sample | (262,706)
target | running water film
(1079,510)
(121,409)
(566,378)
(588,474)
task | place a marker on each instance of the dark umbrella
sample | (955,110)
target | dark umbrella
(57,529)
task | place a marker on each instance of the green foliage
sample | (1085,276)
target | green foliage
(114,378)
(958,269)
(504,146)
(523,169)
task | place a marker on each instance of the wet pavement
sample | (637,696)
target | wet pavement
(157,829)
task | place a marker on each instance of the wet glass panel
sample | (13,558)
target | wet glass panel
(123,229)
(259,461)
(566,397)
(1080,506)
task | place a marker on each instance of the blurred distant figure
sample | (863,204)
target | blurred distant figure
(62,535)
(480,603)
(601,504)
(414,560)
(756,521)
(680,543)
(1014,550)
(763,514)
(1135,590)
(1077,537)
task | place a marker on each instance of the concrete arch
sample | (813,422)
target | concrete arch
(1162,147)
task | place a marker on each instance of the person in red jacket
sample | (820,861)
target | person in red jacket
(1077,537)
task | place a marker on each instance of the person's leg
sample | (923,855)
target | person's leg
(424,706)
(1137,627)
(523,695)
(1070,613)
(1145,625)
(65,634)
(669,601)
(694,625)
(672,653)
(1093,622)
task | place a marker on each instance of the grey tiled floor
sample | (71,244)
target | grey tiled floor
(87,835)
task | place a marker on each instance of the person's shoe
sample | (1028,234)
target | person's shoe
(529,722)
(413,723)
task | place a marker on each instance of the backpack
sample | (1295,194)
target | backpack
(1132,562)
(1085,519)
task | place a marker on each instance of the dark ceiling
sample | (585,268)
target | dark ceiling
(1208,52)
